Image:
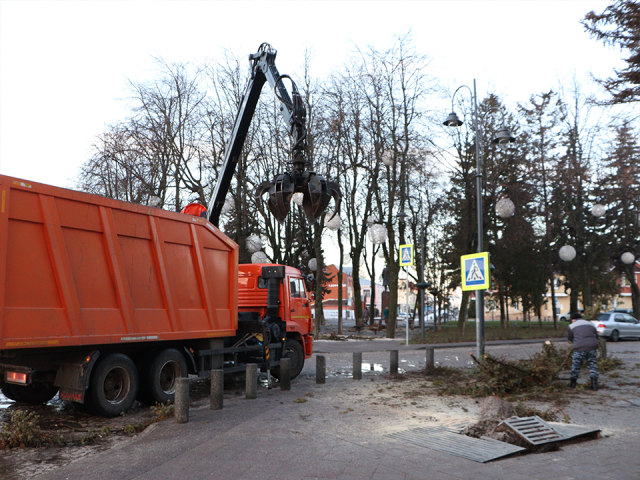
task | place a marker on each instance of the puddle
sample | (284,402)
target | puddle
(5,402)
(372,367)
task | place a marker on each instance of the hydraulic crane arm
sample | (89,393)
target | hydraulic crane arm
(317,192)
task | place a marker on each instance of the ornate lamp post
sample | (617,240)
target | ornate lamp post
(503,138)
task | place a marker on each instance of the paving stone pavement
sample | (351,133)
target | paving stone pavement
(334,431)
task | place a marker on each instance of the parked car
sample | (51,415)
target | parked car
(401,321)
(623,310)
(616,325)
(566,317)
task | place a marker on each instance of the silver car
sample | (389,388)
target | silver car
(616,325)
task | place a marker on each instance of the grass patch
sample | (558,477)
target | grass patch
(162,411)
(449,333)
(23,431)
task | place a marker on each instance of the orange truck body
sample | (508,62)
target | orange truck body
(88,283)
(80,269)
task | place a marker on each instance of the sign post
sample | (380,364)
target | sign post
(406,260)
(476,275)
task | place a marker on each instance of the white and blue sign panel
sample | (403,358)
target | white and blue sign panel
(475,271)
(406,255)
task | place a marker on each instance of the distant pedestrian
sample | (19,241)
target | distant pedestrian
(366,315)
(385,314)
(584,336)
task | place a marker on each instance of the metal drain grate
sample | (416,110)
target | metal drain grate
(533,429)
(443,440)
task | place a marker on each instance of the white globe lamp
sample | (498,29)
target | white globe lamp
(598,210)
(298,198)
(505,208)
(567,253)
(253,243)
(628,258)
(332,223)
(259,257)
(313,264)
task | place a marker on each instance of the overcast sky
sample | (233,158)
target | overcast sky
(63,65)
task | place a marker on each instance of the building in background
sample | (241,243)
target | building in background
(330,301)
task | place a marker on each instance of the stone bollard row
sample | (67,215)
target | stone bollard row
(430,358)
(285,374)
(321,369)
(357,365)
(182,400)
(217,389)
(251,386)
(393,361)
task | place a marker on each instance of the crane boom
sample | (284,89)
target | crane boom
(317,192)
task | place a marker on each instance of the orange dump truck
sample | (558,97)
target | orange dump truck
(107,301)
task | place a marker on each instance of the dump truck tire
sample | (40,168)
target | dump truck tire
(114,385)
(159,382)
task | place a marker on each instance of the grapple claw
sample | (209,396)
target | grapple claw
(260,191)
(280,195)
(334,191)
(317,194)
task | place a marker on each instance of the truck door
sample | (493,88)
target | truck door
(298,301)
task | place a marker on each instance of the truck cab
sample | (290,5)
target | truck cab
(294,308)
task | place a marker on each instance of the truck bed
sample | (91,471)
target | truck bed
(80,269)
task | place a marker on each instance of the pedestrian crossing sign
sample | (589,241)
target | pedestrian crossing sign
(475,271)
(406,255)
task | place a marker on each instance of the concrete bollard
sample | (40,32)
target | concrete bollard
(321,369)
(393,361)
(357,365)
(217,389)
(430,357)
(285,374)
(251,387)
(182,400)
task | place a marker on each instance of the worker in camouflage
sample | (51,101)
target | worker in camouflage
(584,336)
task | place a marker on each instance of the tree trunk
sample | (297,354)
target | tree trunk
(394,270)
(317,247)
(462,316)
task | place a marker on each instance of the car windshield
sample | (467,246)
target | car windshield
(603,316)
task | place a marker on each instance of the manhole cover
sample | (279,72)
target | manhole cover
(533,429)
(443,440)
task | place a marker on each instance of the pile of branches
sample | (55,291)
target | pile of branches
(499,376)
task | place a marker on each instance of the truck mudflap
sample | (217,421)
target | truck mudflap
(73,376)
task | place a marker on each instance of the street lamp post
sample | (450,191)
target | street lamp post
(502,138)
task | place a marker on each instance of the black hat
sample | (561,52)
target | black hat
(575,316)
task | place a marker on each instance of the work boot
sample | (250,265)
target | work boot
(573,383)
(594,384)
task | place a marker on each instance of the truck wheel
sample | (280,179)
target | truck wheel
(34,394)
(295,352)
(114,385)
(160,381)
(615,336)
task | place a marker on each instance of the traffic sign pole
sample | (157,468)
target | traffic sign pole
(476,275)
